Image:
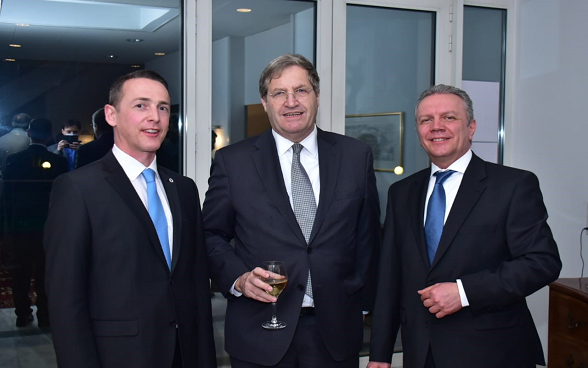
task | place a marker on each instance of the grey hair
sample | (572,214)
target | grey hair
(275,68)
(21,120)
(442,89)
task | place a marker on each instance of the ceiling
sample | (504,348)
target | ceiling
(93,30)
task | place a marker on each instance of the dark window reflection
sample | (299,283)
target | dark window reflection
(58,60)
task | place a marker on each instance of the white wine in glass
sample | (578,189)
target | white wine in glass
(278,279)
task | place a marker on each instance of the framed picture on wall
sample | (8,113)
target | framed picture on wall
(384,132)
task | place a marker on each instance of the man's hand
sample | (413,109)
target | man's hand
(74,145)
(62,144)
(441,299)
(251,284)
(378,365)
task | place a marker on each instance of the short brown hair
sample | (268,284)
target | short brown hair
(115,94)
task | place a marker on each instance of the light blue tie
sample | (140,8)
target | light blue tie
(157,214)
(436,214)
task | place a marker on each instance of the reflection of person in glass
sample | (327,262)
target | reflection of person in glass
(68,143)
(28,176)
(127,278)
(465,242)
(255,198)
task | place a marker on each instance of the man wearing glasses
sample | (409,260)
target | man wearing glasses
(305,197)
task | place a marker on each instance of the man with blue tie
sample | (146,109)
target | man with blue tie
(127,278)
(465,241)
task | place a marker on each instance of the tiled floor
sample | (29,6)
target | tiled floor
(31,347)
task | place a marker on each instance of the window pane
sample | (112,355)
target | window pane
(243,44)
(390,61)
(484,45)
(59,59)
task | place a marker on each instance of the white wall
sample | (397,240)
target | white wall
(549,129)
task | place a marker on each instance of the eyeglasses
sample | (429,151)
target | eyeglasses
(300,94)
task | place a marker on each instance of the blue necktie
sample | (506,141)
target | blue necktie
(436,214)
(157,214)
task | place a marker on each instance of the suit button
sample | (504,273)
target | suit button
(172,322)
(300,287)
(309,250)
(171,282)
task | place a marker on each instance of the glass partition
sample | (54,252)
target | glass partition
(390,61)
(245,40)
(484,61)
(59,59)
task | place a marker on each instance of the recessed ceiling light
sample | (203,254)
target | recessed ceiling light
(9,59)
(14,45)
(22,24)
(135,66)
(244,10)
(134,40)
(112,56)
(160,53)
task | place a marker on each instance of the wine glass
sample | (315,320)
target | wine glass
(278,279)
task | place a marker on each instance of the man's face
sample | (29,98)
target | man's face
(141,119)
(292,119)
(70,130)
(442,128)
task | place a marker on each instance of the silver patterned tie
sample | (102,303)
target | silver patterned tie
(303,200)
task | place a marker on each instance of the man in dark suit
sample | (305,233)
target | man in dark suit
(459,295)
(253,200)
(125,290)
(100,146)
(28,176)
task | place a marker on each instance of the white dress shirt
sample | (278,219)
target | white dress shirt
(451,186)
(133,169)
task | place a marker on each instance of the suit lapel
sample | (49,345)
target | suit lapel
(173,198)
(269,170)
(471,188)
(116,176)
(418,190)
(329,160)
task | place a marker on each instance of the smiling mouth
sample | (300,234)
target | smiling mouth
(152,131)
(293,114)
(439,139)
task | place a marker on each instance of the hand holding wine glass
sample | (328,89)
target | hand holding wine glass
(278,279)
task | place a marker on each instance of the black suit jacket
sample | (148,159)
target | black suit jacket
(113,302)
(95,150)
(496,240)
(247,202)
(27,180)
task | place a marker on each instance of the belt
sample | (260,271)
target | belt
(307,311)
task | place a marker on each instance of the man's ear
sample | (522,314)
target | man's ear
(264,103)
(110,115)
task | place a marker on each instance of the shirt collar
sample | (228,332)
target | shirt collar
(130,165)
(283,144)
(460,165)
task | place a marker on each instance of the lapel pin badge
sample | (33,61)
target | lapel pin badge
(171,180)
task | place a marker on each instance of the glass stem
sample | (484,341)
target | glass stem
(274,319)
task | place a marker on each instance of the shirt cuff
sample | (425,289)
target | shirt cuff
(234,291)
(462,294)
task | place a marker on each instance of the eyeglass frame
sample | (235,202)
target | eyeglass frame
(273,95)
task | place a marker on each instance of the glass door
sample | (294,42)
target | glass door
(389,53)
